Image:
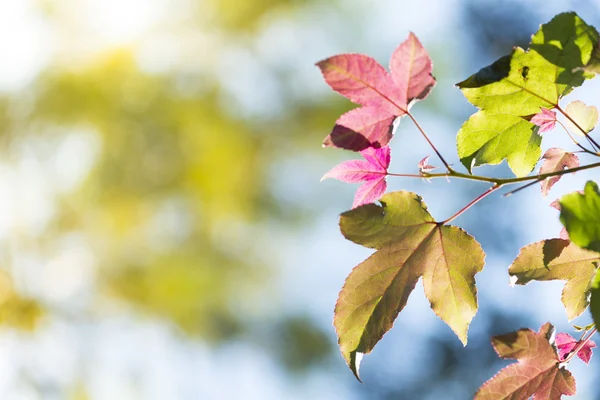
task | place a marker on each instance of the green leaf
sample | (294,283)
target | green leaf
(489,138)
(595,299)
(519,85)
(410,245)
(580,214)
(558,259)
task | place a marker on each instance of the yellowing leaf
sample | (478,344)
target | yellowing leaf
(559,259)
(410,244)
(582,118)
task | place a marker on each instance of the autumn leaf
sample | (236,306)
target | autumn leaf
(582,118)
(545,119)
(580,214)
(536,373)
(382,95)
(558,259)
(556,160)
(410,245)
(565,344)
(372,171)
(519,85)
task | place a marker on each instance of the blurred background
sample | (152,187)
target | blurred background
(163,231)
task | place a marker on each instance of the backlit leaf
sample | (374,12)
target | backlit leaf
(545,119)
(384,96)
(521,84)
(372,171)
(537,372)
(556,159)
(583,117)
(566,343)
(410,245)
(580,214)
(559,259)
(489,138)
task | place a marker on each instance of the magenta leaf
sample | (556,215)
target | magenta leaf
(411,69)
(566,343)
(373,123)
(372,171)
(384,96)
(556,159)
(545,119)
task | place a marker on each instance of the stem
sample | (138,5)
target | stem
(519,189)
(472,203)
(580,345)
(499,181)
(430,142)
(585,149)
(597,146)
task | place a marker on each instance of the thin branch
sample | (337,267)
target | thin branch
(471,203)
(592,141)
(430,142)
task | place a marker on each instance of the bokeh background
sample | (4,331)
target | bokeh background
(163,231)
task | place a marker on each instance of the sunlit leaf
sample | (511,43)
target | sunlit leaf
(410,245)
(545,119)
(556,159)
(372,172)
(383,95)
(580,214)
(582,118)
(521,84)
(537,372)
(559,259)
(565,344)
(489,138)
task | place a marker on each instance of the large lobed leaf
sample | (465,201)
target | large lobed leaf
(518,86)
(580,214)
(559,259)
(410,245)
(382,95)
(537,373)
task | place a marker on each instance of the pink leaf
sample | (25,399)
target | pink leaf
(364,81)
(383,96)
(545,119)
(536,373)
(566,343)
(361,128)
(556,160)
(369,192)
(372,171)
(411,69)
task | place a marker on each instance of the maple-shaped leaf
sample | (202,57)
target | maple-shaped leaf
(545,119)
(565,344)
(489,138)
(558,259)
(410,245)
(536,373)
(518,85)
(556,159)
(372,171)
(382,95)
(582,118)
(580,214)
